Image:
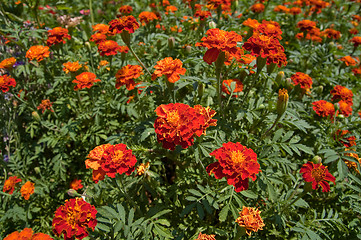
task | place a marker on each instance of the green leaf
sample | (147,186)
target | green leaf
(224,213)
(200,211)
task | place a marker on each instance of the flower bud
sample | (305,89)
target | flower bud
(316,159)
(271,67)
(37,170)
(242,75)
(200,89)
(36,116)
(73,193)
(261,62)
(188,49)
(87,44)
(126,37)
(212,25)
(171,42)
(280,76)
(282,101)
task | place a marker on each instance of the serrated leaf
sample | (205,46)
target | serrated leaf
(224,213)
(162,231)
(249,194)
(195,192)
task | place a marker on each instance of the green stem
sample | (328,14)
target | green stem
(124,191)
(91,12)
(141,63)
(219,65)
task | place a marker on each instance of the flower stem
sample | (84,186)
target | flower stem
(141,63)
(219,65)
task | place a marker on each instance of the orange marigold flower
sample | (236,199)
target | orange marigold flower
(295,10)
(235,162)
(57,35)
(219,40)
(108,48)
(344,137)
(353,31)
(126,23)
(227,85)
(146,17)
(356,40)
(324,108)
(214,4)
(71,67)
(252,23)
(202,236)
(250,219)
(6,82)
(352,164)
(41,236)
(357,71)
(345,108)
(85,80)
(202,14)
(76,184)
(27,189)
(171,8)
(356,18)
(269,28)
(125,9)
(306,25)
(126,76)
(101,28)
(9,185)
(8,63)
(169,68)
(263,45)
(178,124)
(38,52)
(142,168)
(331,33)
(342,93)
(25,234)
(257,7)
(95,160)
(45,105)
(98,38)
(74,218)
(281,8)
(318,175)
(349,61)
(303,80)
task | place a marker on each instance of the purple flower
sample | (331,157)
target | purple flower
(6,158)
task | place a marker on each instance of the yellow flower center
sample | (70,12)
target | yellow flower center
(118,156)
(238,157)
(73,216)
(173,118)
(318,174)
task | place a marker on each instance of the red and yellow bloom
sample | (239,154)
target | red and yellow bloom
(8,63)
(318,174)
(126,76)
(85,80)
(9,185)
(38,52)
(125,23)
(6,82)
(27,189)
(250,219)
(57,35)
(324,108)
(303,80)
(169,67)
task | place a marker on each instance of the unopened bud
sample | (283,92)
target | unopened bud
(212,25)
(261,62)
(271,67)
(316,159)
(36,116)
(200,89)
(282,101)
(318,89)
(37,170)
(73,193)
(171,43)
(87,44)
(126,37)
(280,76)
(188,49)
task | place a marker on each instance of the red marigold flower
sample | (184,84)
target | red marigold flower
(356,40)
(95,160)
(263,45)
(76,184)
(45,105)
(303,80)
(353,31)
(235,162)
(101,28)
(126,23)
(252,23)
(345,108)
(281,8)
(342,93)
(8,63)
(171,8)
(38,52)
(74,218)
(219,40)
(202,14)
(269,28)
(343,136)
(85,80)
(250,219)
(126,76)
(27,189)
(202,236)
(257,7)
(178,124)
(349,61)
(98,38)
(324,108)
(71,67)
(214,4)
(238,86)
(331,33)
(169,68)
(142,168)
(146,17)
(295,10)
(125,9)
(306,25)
(9,185)
(357,71)
(108,48)
(352,164)
(57,35)
(318,175)
(6,82)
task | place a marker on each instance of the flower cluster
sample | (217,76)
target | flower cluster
(178,124)
(57,35)
(146,17)
(125,23)
(27,234)
(38,52)
(324,108)
(303,80)
(45,105)
(6,82)
(9,185)
(126,76)
(318,174)
(85,80)
(74,218)
(71,67)
(170,68)
(109,160)
(8,63)
(250,219)
(235,162)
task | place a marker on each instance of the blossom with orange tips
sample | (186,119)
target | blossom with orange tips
(281,8)
(357,71)
(126,76)
(235,162)
(101,28)
(269,28)
(146,17)
(9,185)
(215,4)
(57,35)
(303,80)
(27,189)
(219,40)
(250,219)
(6,82)
(318,174)
(345,108)
(85,80)
(349,61)
(227,84)
(306,25)
(45,105)
(125,23)
(73,219)
(27,234)
(352,164)
(71,67)
(257,8)
(98,38)
(331,33)
(202,236)
(125,9)
(263,45)
(142,168)
(41,236)
(8,63)
(38,52)
(94,161)
(178,124)
(324,108)
(171,9)
(356,40)
(252,23)
(108,48)
(76,184)
(202,14)
(342,93)
(170,68)
(344,137)
(295,10)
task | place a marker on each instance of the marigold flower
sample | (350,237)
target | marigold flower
(41,236)
(263,45)
(101,28)
(349,61)
(6,82)
(214,4)
(9,185)
(25,234)
(318,175)
(94,161)
(202,236)
(269,28)
(349,163)
(324,108)
(57,35)
(257,7)
(125,9)
(202,14)
(252,23)
(142,168)
(235,162)
(98,38)
(8,63)
(281,8)
(178,124)
(76,184)
(126,76)
(295,10)
(345,108)
(219,40)
(357,71)
(85,80)
(353,31)
(27,189)
(343,136)
(331,33)
(342,93)
(38,52)
(108,48)
(71,67)
(74,218)
(282,101)
(169,68)
(306,25)
(146,17)
(125,23)
(238,86)
(45,105)
(356,40)
(303,80)
(250,219)
(171,8)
